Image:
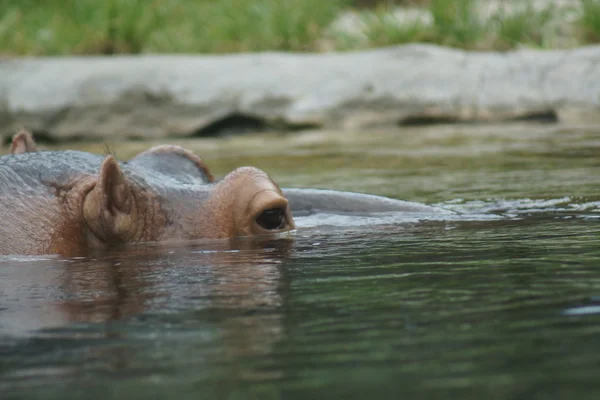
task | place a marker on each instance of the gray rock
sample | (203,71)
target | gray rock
(162,95)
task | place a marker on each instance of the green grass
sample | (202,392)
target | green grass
(382,29)
(236,25)
(524,26)
(63,27)
(134,26)
(455,23)
(590,20)
(81,27)
(452,24)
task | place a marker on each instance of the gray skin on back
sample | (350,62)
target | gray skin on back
(175,180)
(30,208)
(172,175)
(34,189)
(309,201)
(36,172)
(167,166)
(172,165)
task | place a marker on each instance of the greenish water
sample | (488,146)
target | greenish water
(500,302)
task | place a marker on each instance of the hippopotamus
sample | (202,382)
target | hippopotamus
(69,201)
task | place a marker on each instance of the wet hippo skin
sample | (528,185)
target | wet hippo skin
(70,201)
(309,201)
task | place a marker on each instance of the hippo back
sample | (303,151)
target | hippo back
(169,174)
(169,164)
(33,173)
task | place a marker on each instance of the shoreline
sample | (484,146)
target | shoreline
(162,96)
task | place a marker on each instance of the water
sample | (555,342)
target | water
(502,302)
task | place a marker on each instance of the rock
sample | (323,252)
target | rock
(182,95)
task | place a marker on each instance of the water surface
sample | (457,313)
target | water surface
(501,301)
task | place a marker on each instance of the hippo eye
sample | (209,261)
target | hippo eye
(271,219)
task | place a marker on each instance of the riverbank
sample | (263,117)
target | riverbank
(159,96)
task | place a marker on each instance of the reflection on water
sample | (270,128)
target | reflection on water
(500,301)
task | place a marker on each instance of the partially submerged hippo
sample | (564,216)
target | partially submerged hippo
(70,201)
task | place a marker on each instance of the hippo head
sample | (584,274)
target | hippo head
(167,193)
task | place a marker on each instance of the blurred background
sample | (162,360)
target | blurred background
(63,27)
(501,302)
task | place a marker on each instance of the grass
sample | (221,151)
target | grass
(455,24)
(235,25)
(31,27)
(64,27)
(384,31)
(590,20)
(524,26)
(467,24)
(381,28)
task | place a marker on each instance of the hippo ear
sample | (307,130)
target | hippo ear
(109,207)
(22,142)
